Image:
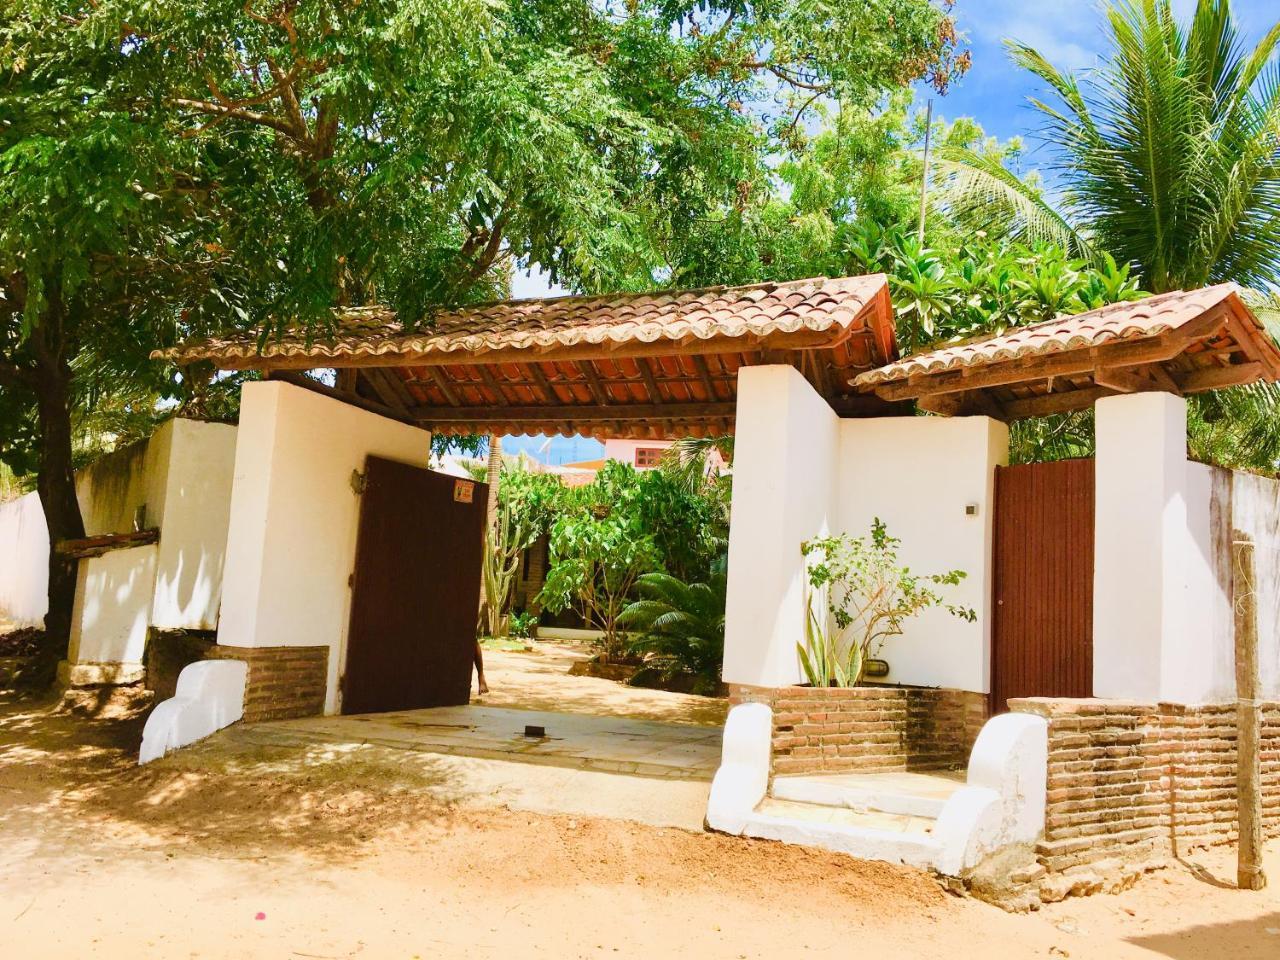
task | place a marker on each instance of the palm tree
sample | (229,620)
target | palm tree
(1168,152)
(1168,155)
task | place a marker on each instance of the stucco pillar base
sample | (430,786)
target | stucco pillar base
(100,674)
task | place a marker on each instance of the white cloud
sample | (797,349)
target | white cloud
(1068,32)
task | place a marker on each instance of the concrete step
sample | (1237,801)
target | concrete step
(920,795)
(870,835)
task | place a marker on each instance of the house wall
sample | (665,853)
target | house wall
(291,540)
(801,472)
(178,480)
(918,475)
(193,507)
(785,463)
(24,561)
(1141,782)
(113,607)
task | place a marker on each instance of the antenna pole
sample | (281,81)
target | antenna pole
(924,178)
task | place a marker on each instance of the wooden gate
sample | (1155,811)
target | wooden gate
(415,590)
(1042,637)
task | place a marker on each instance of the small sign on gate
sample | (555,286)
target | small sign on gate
(464,491)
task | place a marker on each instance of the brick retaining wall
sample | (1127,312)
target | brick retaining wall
(1143,782)
(866,729)
(284,682)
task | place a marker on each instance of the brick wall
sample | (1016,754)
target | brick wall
(283,682)
(1143,781)
(866,729)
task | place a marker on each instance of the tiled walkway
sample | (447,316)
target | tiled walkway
(606,744)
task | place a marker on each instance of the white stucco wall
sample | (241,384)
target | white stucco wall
(291,538)
(193,507)
(785,461)
(178,480)
(918,475)
(113,606)
(24,561)
(1142,644)
(800,471)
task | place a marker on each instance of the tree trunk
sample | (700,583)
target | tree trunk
(55,482)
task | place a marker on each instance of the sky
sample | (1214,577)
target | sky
(1070,33)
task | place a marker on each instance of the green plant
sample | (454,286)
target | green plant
(868,596)
(526,502)
(599,549)
(681,624)
(522,624)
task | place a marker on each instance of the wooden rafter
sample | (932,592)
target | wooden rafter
(544,385)
(650,382)
(704,374)
(574,412)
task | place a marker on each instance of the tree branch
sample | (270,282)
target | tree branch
(238,113)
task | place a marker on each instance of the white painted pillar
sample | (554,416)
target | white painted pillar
(784,470)
(1140,635)
(292,533)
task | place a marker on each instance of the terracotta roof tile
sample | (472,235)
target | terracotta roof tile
(1141,319)
(814,305)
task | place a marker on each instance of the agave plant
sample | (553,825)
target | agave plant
(680,625)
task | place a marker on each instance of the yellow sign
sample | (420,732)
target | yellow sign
(463,491)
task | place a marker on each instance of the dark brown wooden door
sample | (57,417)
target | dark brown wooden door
(1042,637)
(415,591)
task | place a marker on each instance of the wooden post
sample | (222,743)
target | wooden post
(1249,873)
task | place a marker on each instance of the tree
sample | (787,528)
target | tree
(1168,155)
(599,549)
(1167,151)
(101,230)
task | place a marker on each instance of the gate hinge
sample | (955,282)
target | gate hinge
(358,482)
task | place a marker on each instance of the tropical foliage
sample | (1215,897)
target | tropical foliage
(1167,156)
(599,550)
(525,507)
(167,167)
(680,625)
(868,596)
(1166,151)
(979,286)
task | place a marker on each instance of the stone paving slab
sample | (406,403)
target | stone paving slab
(607,744)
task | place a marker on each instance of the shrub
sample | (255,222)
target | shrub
(869,595)
(681,625)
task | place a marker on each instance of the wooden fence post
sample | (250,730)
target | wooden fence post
(1249,873)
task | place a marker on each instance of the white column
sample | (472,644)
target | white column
(1140,639)
(291,538)
(783,476)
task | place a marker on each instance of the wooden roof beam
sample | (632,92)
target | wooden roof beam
(1011,372)
(704,374)
(1051,403)
(573,413)
(544,385)
(1215,378)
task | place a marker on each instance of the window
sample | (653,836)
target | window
(648,457)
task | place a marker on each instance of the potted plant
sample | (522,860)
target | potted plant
(863,597)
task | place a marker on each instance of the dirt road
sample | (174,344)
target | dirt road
(356,855)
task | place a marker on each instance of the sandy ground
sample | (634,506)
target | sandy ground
(211,853)
(540,680)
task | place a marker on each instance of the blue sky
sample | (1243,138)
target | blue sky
(1070,33)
